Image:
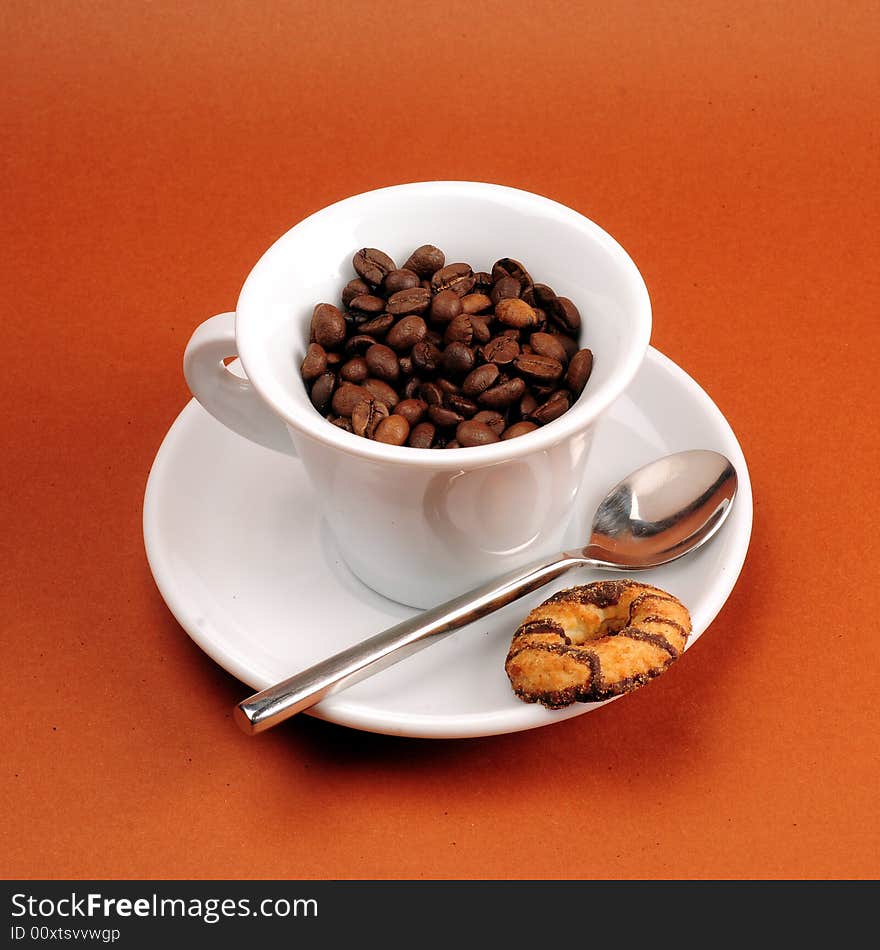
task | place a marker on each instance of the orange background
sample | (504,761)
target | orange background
(153,151)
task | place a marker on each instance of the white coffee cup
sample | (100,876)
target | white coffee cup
(422,525)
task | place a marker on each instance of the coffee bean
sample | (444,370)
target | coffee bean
(354,370)
(404,335)
(444,417)
(516,313)
(445,306)
(425,260)
(579,370)
(328,326)
(553,408)
(366,416)
(341,422)
(527,405)
(414,300)
(367,304)
(480,325)
(518,428)
(449,346)
(508,267)
(431,393)
(471,432)
(378,326)
(392,431)
(494,420)
(543,296)
(346,397)
(501,351)
(456,277)
(413,410)
(544,369)
(447,386)
(566,315)
(461,404)
(459,330)
(501,395)
(411,389)
(402,279)
(568,343)
(359,344)
(475,303)
(322,391)
(373,265)
(505,288)
(426,357)
(543,391)
(541,317)
(458,359)
(422,435)
(483,282)
(382,362)
(548,345)
(315,362)
(381,391)
(355,288)
(480,379)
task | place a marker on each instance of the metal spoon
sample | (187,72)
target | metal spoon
(655,515)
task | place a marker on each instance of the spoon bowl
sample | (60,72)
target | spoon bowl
(663,510)
(657,514)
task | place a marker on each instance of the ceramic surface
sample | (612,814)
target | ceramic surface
(247,565)
(419,525)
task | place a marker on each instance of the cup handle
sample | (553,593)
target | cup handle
(229,398)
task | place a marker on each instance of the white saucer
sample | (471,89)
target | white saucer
(249,570)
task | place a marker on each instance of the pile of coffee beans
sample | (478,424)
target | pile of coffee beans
(436,355)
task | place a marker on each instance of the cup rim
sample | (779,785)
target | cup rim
(584,412)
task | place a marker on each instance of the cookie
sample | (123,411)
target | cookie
(591,643)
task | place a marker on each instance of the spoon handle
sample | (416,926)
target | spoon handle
(302,690)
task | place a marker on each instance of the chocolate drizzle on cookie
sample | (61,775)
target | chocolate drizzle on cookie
(635,633)
(601,594)
(542,625)
(592,623)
